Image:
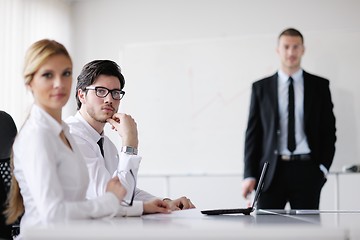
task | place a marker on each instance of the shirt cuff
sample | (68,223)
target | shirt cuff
(135,210)
(249,178)
(323,169)
(127,162)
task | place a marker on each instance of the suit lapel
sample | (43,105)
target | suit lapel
(273,87)
(308,96)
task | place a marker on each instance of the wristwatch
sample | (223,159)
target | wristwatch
(129,150)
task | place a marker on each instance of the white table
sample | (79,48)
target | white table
(191,224)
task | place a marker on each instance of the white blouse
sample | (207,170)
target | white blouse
(52,177)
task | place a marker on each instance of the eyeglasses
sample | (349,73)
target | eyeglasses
(102,92)
(133,182)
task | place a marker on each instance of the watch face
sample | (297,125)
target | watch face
(129,150)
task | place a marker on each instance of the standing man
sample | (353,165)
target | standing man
(292,126)
(98,95)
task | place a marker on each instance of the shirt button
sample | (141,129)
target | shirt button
(276,152)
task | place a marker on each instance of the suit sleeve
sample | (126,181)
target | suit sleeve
(327,129)
(253,137)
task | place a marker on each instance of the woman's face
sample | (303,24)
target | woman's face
(51,84)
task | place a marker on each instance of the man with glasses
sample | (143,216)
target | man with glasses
(98,94)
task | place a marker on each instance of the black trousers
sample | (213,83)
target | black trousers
(297,182)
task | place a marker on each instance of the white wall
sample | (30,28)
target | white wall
(23,22)
(223,190)
(189,66)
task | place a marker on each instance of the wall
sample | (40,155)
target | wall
(221,190)
(23,22)
(189,66)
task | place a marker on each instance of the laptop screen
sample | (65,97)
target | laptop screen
(260,184)
(245,211)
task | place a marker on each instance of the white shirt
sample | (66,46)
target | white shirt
(52,177)
(102,169)
(302,146)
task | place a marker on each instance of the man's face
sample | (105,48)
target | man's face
(100,109)
(290,50)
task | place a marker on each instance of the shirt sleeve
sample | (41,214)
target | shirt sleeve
(114,164)
(135,210)
(99,174)
(142,195)
(131,162)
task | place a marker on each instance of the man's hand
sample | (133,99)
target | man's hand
(114,186)
(156,206)
(126,126)
(248,185)
(180,203)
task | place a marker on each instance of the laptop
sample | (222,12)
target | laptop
(245,211)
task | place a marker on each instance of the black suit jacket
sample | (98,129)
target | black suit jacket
(261,141)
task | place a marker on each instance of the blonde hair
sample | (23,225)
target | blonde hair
(37,54)
(15,204)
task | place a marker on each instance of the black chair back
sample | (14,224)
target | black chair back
(8,133)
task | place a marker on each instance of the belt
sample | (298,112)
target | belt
(297,157)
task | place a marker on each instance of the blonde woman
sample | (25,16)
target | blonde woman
(50,177)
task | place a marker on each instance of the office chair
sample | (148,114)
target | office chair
(8,132)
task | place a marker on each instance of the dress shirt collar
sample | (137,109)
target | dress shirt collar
(44,118)
(92,132)
(283,77)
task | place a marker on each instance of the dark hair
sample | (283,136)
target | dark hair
(292,32)
(92,70)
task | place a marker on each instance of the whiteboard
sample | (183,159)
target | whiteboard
(191,98)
